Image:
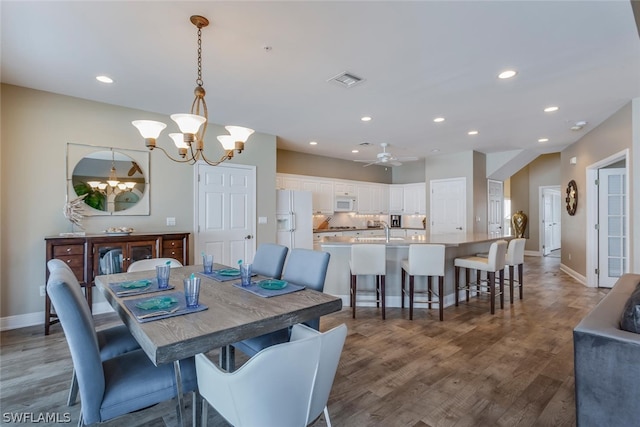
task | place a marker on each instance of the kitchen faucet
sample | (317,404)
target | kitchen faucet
(387,231)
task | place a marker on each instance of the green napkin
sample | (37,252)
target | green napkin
(136,284)
(157,303)
(229,272)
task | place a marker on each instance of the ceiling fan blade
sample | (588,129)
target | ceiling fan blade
(371,163)
(395,163)
(135,168)
(406,159)
(366,161)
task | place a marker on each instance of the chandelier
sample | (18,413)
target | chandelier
(193,126)
(113,184)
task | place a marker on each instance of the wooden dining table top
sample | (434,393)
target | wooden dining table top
(233,314)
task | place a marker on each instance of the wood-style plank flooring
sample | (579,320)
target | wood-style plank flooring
(514,368)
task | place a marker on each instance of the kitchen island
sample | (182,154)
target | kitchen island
(456,245)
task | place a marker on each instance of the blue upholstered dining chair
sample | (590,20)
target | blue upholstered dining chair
(269,260)
(112,341)
(285,385)
(120,385)
(304,267)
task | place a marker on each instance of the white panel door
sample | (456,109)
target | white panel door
(551,225)
(226,213)
(448,205)
(612,259)
(495,204)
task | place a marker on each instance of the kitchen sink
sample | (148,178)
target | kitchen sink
(378,239)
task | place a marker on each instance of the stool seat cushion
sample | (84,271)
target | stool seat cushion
(474,262)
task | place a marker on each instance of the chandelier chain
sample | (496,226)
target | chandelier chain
(199,81)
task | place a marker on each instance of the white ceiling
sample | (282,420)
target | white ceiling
(420,60)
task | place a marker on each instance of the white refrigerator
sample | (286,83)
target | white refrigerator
(294,219)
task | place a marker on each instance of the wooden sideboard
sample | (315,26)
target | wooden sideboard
(92,255)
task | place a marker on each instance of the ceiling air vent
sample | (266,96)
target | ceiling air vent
(346,79)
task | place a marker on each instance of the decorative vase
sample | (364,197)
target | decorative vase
(519,223)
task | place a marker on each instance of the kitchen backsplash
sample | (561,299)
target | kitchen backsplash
(351,219)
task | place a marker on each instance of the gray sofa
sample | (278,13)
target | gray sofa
(607,363)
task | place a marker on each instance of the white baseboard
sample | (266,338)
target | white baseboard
(34,319)
(579,277)
(533,253)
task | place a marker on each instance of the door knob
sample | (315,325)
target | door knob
(248,236)
(458,228)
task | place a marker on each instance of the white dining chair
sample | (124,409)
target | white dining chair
(150,264)
(285,385)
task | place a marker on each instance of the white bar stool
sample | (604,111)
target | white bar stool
(515,258)
(368,260)
(495,262)
(424,260)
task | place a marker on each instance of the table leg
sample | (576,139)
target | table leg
(179,407)
(227,359)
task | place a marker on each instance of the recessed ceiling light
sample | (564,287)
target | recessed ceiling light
(439,119)
(472,132)
(355,151)
(435,150)
(507,74)
(551,109)
(313,143)
(543,140)
(104,79)
(366,119)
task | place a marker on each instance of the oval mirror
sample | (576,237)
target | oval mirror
(112,181)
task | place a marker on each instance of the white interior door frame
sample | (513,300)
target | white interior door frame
(592,212)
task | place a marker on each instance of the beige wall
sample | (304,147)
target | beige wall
(408,173)
(610,137)
(36,126)
(479,192)
(460,165)
(525,193)
(311,165)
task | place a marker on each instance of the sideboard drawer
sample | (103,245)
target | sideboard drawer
(62,250)
(171,244)
(172,253)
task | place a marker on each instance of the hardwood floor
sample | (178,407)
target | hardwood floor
(473,369)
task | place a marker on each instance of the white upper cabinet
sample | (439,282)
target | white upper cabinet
(322,191)
(415,199)
(345,188)
(396,198)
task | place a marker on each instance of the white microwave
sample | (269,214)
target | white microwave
(344,204)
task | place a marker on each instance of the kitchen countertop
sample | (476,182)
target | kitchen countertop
(453,239)
(333,230)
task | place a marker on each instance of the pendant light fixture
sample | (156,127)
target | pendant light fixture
(193,126)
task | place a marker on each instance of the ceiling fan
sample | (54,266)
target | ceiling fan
(134,168)
(386,158)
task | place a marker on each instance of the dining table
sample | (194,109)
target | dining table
(227,314)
